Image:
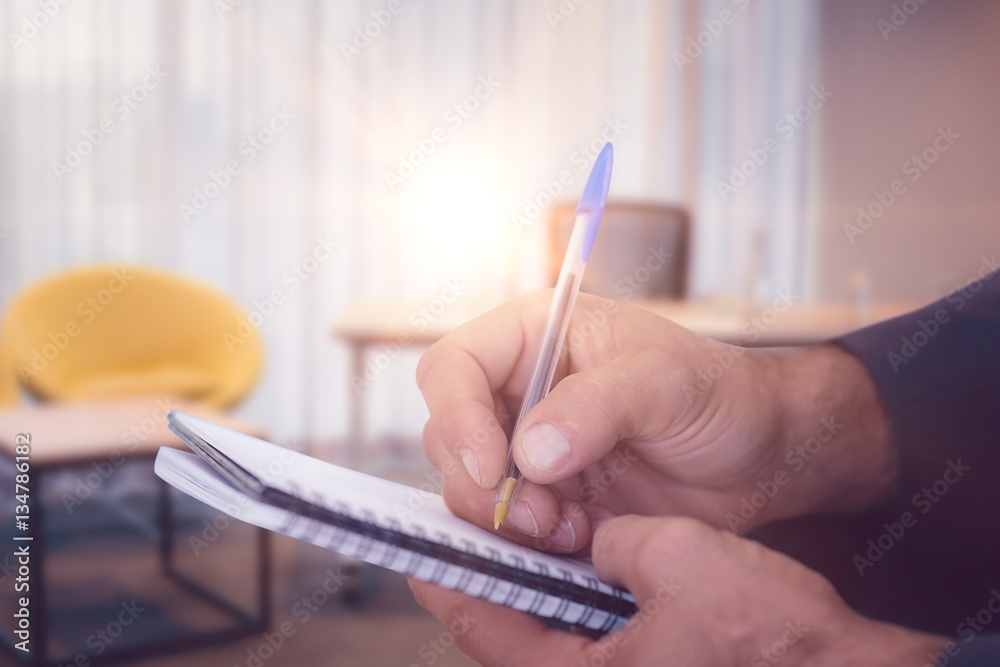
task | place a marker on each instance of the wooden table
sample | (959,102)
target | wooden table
(64,434)
(763,325)
(364,326)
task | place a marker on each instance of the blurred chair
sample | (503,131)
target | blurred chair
(112,332)
(109,335)
(631,235)
(10,392)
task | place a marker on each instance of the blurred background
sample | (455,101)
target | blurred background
(358,114)
(336,185)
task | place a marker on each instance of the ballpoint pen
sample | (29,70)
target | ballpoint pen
(588,219)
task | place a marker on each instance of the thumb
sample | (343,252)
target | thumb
(659,560)
(584,417)
(650,556)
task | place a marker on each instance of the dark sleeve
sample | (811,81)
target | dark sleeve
(982,652)
(934,557)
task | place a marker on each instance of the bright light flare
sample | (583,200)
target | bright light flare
(453,223)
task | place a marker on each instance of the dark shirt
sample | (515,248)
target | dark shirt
(938,374)
(929,558)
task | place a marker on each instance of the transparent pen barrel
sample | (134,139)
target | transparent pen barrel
(563,300)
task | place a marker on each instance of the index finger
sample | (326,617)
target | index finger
(460,377)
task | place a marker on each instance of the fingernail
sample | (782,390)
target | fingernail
(546,447)
(522,520)
(471,463)
(564,536)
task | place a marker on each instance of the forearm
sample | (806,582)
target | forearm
(875,644)
(834,440)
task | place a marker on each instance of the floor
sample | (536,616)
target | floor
(97,576)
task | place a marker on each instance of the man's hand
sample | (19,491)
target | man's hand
(646,418)
(706,598)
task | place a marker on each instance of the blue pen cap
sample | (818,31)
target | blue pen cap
(595,193)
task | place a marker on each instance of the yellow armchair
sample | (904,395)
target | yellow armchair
(9,390)
(105,332)
(100,335)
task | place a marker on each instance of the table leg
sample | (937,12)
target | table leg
(166,521)
(356,403)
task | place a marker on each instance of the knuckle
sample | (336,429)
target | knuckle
(651,551)
(428,360)
(459,502)
(472,638)
(609,540)
(430,440)
(593,394)
(675,539)
(688,532)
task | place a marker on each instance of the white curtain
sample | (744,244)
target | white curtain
(232,141)
(756,140)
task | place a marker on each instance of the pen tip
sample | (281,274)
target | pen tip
(499,514)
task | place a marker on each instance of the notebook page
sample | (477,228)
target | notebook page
(382,502)
(197,478)
(326,484)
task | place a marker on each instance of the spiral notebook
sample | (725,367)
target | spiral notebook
(383,523)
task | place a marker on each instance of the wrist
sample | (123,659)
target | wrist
(868,643)
(832,436)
